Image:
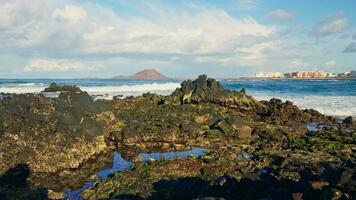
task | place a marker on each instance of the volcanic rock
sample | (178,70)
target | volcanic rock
(204,90)
(50,134)
(65,88)
(347,120)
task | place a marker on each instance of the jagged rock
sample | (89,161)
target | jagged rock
(208,90)
(50,134)
(348,120)
(199,90)
(287,113)
(245,138)
(65,88)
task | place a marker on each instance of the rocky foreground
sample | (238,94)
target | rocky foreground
(254,149)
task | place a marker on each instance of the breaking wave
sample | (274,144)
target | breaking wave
(106,91)
(337,98)
(330,105)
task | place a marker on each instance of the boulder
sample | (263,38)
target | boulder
(208,90)
(348,120)
(64,88)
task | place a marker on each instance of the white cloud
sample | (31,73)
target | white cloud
(297,63)
(70,13)
(333,24)
(59,35)
(280,15)
(351,48)
(56,65)
(331,63)
(64,27)
(207,32)
(246,5)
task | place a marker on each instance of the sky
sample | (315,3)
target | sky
(180,38)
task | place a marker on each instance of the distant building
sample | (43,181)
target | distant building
(331,75)
(344,75)
(322,74)
(268,75)
(288,75)
(306,74)
(353,74)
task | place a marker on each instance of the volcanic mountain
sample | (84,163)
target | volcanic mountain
(147,74)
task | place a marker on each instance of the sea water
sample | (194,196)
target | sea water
(331,97)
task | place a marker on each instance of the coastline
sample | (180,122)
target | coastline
(243,143)
(302,79)
(233,137)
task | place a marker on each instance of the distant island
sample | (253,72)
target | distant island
(147,74)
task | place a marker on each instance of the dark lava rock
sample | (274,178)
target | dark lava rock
(56,137)
(50,134)
(65,88)
(347,120)
(280,112)
(208,90)
(199,90)
(14,185)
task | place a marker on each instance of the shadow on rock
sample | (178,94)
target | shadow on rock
(260,185)
(14,185)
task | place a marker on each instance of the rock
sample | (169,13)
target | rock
(244,155)
(196,91)
(332,194)
(220,181)
(65,88)
(297,196)
(318,185)
(51,135)
(60,139)
(348,120)
(244,132)
(55,195)
(288,114)
(208,90)
(165,146)
(120,96)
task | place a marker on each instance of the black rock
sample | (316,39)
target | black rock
(65,88)
(347,120)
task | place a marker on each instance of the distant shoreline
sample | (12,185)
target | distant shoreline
(180,79)
(257,78)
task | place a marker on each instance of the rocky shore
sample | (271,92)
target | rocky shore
(253,149)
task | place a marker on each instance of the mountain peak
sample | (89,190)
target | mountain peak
(147,74)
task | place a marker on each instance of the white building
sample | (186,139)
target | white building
(268,75)
(331,75)
(353,74)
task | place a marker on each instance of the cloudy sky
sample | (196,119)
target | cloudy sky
(182,38)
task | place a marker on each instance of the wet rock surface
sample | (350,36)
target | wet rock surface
(255,149)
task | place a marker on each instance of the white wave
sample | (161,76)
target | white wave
(31,84)
(107,91)
(21,89)
(132,88)
(329,105)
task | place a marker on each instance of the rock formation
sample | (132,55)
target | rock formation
(65,88)
(255,149)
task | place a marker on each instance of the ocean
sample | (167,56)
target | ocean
(330,97)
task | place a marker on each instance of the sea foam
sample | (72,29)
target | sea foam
(326,103)
(340,106)
(103,91)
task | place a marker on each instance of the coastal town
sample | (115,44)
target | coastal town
(307,75)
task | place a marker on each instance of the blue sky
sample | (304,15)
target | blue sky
(232,38)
